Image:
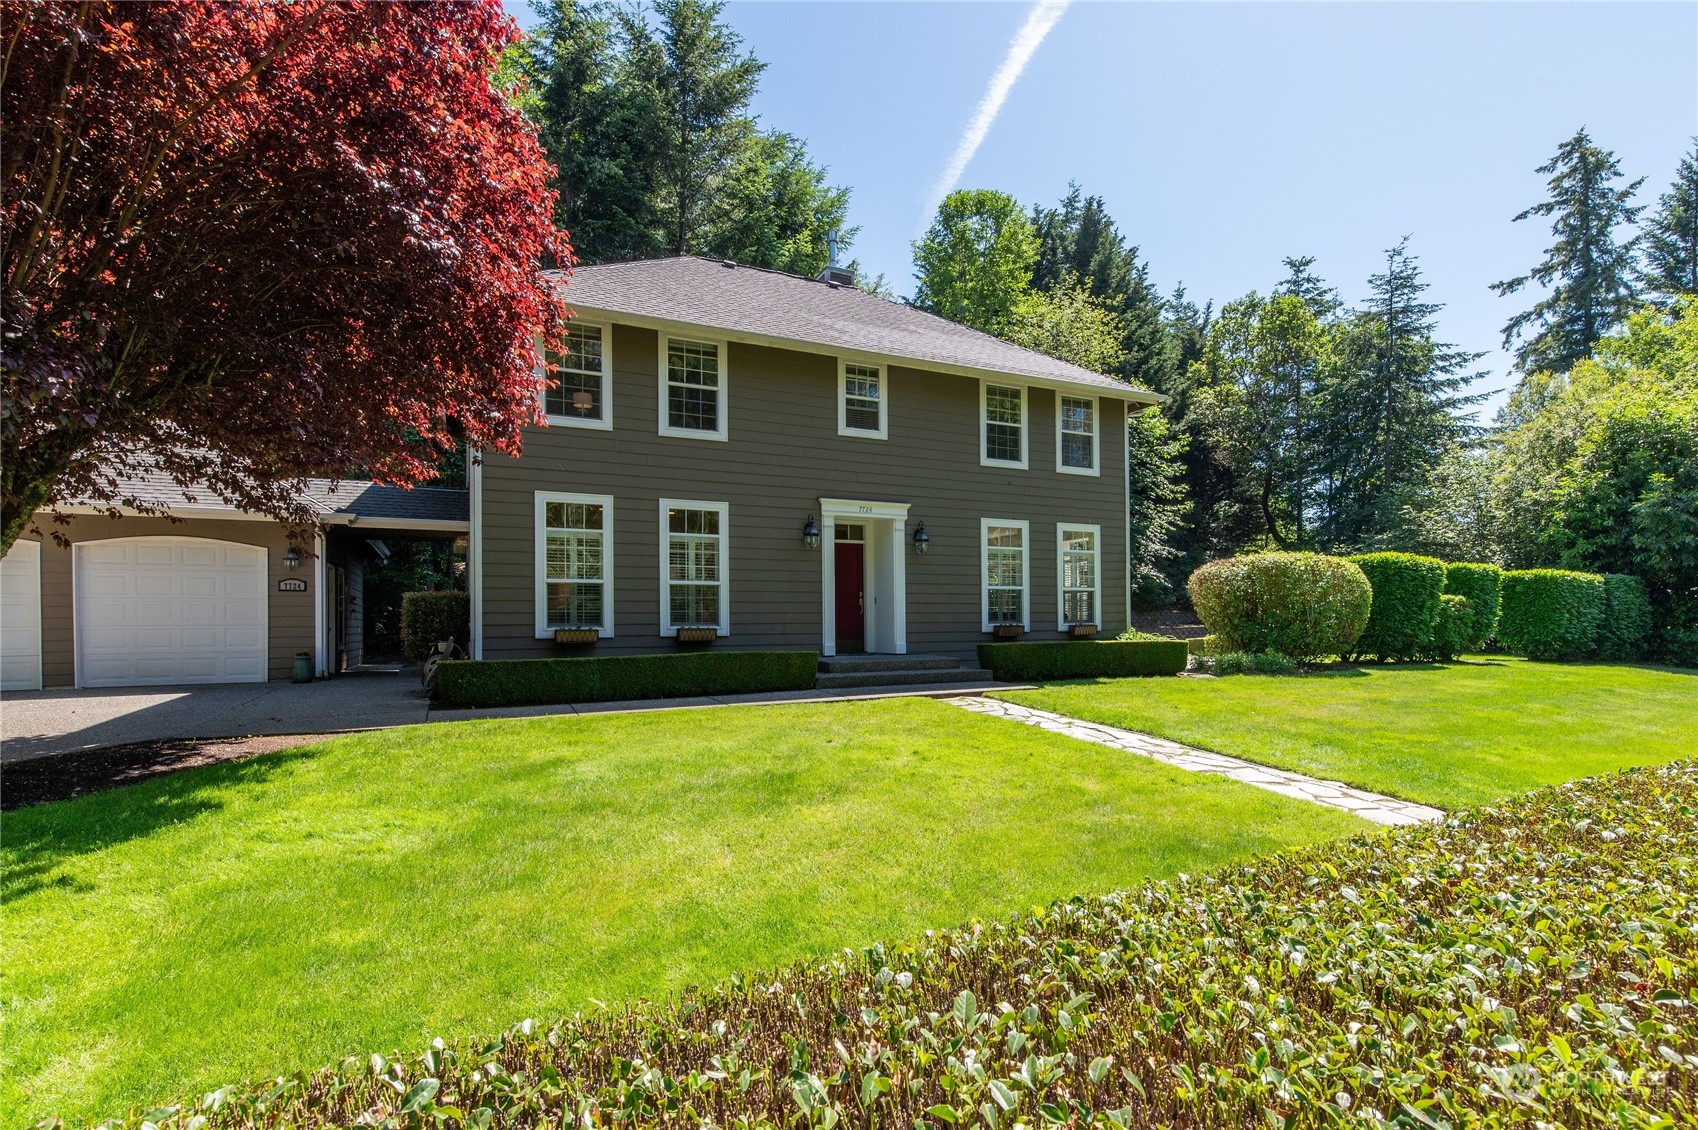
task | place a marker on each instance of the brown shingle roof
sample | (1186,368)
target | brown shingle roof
(351,498)
(771,304)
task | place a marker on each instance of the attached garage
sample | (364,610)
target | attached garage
(156,611)
(20,617)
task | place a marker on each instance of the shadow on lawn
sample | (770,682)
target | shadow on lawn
(48,838)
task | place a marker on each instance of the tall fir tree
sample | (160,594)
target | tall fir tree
(1589,269)
(775,208)
(1302,282)
(1671,237)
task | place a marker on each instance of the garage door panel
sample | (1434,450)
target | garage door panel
(155,611)
(20,617)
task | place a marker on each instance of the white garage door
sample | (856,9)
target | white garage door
(20,617)
(157,611)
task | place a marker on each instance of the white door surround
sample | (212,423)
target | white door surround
(886,525)
(156,611)
(20,617)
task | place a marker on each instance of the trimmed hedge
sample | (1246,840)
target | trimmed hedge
(1452,631)
(430,616)
(1302,605)
(609,678)
(1626,623)
(1407,588)
(1483,586)
(1551,613)
(1083,659)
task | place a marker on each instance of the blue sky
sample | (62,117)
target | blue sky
(1227,136)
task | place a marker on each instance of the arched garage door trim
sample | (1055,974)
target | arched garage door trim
(162,611)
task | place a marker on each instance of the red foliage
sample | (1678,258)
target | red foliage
(252,243)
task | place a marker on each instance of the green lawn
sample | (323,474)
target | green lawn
(1449,735)
(380,889)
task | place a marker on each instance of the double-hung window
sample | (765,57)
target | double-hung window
(1081,582)
(1002,429)
(1007,579)
(574,562)
(863,409)
(578,394)
(692,388)
(1076,435)
(693,568)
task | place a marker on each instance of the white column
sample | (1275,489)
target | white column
(899,582)
(474,551)
(320,615)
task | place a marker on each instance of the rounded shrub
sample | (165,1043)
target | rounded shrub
(1302,605)
(1551,613)
(1483,586)
(1407,588)
(1626,623)
(1452,631)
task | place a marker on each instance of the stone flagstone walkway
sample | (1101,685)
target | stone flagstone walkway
(1370,806)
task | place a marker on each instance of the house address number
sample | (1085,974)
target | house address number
(291,584)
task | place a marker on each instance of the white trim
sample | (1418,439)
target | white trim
(321,613)
(894,545)
(1095,469)
(843,428)
(1062,623)
(378,525)
(32,551)
(474,551)
(605,424)
(539,564)
(229,514)
(1126,512)
(1113,389)
(1025,528)
(1025,426)
(723,432)
(667,627)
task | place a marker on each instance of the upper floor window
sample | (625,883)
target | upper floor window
(1002,434)
(692,388)
(579,394)
(1005,573)
(693,568)
(574,562)
(1076,435)
(862,406)
(1080,586)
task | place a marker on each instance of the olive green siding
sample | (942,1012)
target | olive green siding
(783,455)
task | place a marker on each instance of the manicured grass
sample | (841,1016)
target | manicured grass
(1448,735)
(381,889)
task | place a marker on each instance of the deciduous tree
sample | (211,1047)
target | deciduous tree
(975,262)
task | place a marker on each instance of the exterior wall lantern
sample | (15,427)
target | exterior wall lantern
(922,540)
(811,533)
(291,558)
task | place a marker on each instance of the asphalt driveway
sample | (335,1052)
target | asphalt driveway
(40,723)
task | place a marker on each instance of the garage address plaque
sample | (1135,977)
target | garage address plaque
(291,584)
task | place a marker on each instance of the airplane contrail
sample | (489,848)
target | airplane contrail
(1039,20)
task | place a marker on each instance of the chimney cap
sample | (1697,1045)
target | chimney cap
(834,275)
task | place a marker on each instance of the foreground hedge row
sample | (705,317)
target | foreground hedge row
(609,678)
(1530,965)
(1083,659)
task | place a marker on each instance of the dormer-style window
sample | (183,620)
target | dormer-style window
(692,388)
(578,396)
(1002,430)
(863,409)
(1076,435)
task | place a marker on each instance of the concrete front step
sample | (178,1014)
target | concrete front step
(842,663)
(887,677)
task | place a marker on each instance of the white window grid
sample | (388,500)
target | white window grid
(863,400)
(1079,573)
(694,565)
(1077,447)
(1002,425)
(581,373)
(574,562)
(693,388)
(1005,573)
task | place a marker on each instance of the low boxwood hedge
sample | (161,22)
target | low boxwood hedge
(1482,585)
(609,678)
(1551,613)
(1407,588)
(1083,659)
(1625,626)
(1302,605)
(1531,964)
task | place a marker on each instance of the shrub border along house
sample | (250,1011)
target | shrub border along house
(1551,613)
(611,678)
(1083,659)
(1407,588)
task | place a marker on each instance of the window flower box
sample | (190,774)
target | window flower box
(1008,631)
(1081,631)
(697,635)
(576,635)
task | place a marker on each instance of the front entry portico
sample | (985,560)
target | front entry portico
(882,527)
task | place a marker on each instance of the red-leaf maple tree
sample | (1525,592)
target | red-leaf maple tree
(251,243)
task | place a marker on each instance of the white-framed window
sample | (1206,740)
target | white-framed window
(1002,425)
(1078,553)
(693,388)
(574,562)
(1007,579)
(863,400)
(579,393)
(694,566)
(1076,441)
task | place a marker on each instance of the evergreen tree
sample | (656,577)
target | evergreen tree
(1301,282)
(1671,238)
(975,261)
(775,209)
(1159,507)
(1589,272)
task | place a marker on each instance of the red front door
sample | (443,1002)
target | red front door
(851,596)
